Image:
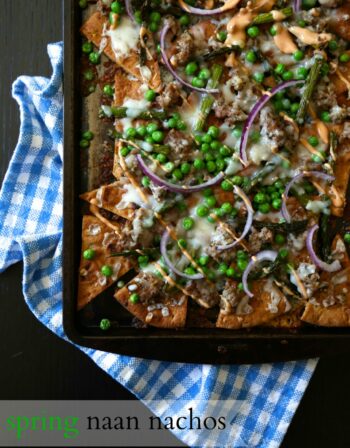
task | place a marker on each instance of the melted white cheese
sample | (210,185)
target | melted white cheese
(318,207)
(124,38)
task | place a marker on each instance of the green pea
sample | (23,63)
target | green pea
(84,143)
(155,17)
(288,75)
(283,253)
(294,107)
(280,239)
(188,223)
(325,116)
(94,57)
(89,254)
(149,139)
(210,201)
(158,136)
(298,55)
(276,203)
(333,45)
(251,57)
(253,31)
(237,180)
(151,127)
(308,4)
(215,145)
(181,126)
(260,198)
(182,243)
(204,74)
(131,132)
(278,184)
(134,298)
(116,7)
(242,264)
(153,27)
(347,238)
(141,131)
(146,181)
(209,157)
(221,36)
(273,30)
(317,159)
(345,57)
(106,270)
(105,324)
(162,158)
(211,166)
(264,208)
(280,69)
(220,164)
(259,77)
(88,135)
(172,123)
(138,17)
(224,151)
(210,219)
(191,68)
(89,75)
(222,268)
(177,174)
(226,207)
(202,211)
(237,132)
(313,140)
(207,138)
(150,95)
(203,260)
(108,90)
(301,23)
(87,47)
(240,286)
(184,20)
(169,167)
(226,185)
(255,136)
(302,73)
(83,4)
(190,271)
(242,254)
(143,260)
(197,82)
(198,164)
(325,69)
(185,168)
(125,151)
(230,272)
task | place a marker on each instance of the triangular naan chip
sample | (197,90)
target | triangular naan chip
(91,281)
(161,312)
(93,30)
(108,197)
(330,306)
(267,304)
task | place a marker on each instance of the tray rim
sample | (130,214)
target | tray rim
(221,346)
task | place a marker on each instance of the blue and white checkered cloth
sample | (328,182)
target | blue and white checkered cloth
(31,229)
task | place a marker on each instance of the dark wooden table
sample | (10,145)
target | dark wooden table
(35,364)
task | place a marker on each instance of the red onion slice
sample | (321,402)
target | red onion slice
(297,5)
(268,255)
(254,112)
(319,174)
(176,188)
(171,69)
(239,192)
(129,10)
(230,4)
(163,250)
(332,267)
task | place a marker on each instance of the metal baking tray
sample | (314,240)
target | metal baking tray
(193,345)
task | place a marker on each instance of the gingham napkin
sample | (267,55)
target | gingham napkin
(31,229)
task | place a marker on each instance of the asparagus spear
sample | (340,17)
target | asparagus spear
(121,112)
(219,52)
(208,100)
(324,236)
(268,16)
(259,176)
(282,227)
(308,89)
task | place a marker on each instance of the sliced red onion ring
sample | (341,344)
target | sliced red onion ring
(163,250)
(230,4)
(269,255)
(254,112)
(319,174)
(171,69)
(176,188)
(239,192)
(332,267)
(297,5)
(129,10)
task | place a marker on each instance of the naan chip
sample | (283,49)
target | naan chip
(91,281)
(94,30)
(163,312)
(342,174)
(267,304)
(330,305)
(108,197)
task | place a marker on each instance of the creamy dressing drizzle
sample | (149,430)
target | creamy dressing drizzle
(309,37)
(284,41)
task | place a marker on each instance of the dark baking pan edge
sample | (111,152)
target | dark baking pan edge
(188,345)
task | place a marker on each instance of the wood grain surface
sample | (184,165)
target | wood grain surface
(35,364)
